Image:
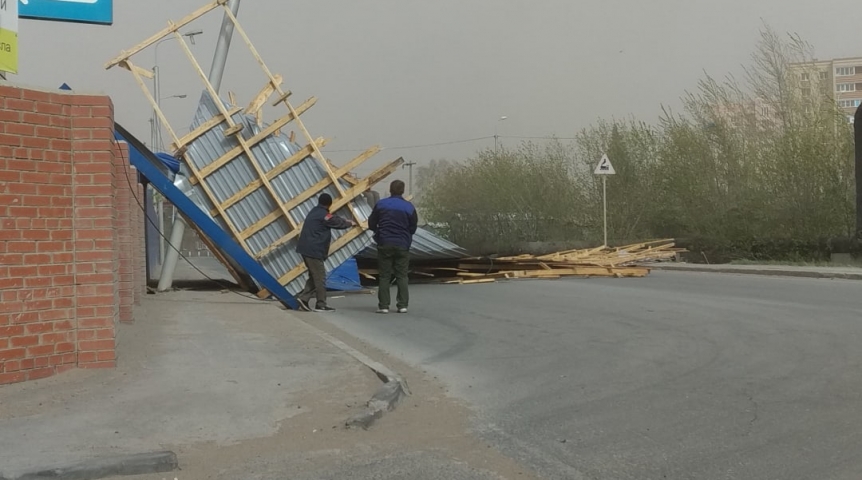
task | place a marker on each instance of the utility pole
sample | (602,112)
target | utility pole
(496,137)
(409,166)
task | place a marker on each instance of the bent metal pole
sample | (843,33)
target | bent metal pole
(166,279)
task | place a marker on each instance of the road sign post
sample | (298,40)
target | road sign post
(604,168)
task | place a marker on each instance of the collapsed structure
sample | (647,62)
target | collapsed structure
(253,180)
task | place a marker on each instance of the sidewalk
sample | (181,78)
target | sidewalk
(195,367)
(847,273)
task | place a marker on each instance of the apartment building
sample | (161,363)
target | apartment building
(842,77)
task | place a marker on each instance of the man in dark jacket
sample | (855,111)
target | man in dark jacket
(393,221)
(313,245)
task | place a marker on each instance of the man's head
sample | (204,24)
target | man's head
(324,200)
(396,188)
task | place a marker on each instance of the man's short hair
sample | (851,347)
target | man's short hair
(396,187)
(324,199)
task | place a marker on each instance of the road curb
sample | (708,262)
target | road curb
(137,464)
(386,398)
(763,272)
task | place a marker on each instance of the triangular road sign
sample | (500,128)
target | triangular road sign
(604,167)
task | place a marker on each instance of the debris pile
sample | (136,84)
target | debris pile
(627,261)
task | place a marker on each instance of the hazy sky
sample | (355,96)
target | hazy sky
(407,72)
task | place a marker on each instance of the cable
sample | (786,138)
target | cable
(408,147)
(133,191)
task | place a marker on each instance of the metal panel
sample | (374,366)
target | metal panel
(426,246)
(239,172)
(151,167)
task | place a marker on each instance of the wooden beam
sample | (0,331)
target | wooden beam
(203,129)
(135,72)
(171,28)
(278,170)
(308,193)
(231,98)
(259,100)
(229,132)
(141,71)
(352,193)
(281,98)
(236,151)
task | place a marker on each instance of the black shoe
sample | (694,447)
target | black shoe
(325,308)
(303,305)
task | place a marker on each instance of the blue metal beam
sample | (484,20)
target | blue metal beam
(155,171)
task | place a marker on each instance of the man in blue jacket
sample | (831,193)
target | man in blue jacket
(393,221)
(313,245)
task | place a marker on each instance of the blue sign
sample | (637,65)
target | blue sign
(83,11)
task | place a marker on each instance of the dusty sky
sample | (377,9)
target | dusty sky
(408,72)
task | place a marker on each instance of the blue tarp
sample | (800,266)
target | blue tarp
(345,278)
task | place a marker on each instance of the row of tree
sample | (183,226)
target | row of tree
(745,163)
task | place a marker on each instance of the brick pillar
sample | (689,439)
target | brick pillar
(138,243)
(123,195)
(37,331)
(96,236)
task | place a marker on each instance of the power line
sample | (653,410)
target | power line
(452,142)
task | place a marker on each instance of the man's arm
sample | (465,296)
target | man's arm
(373,219)
(414,221)
(336,222)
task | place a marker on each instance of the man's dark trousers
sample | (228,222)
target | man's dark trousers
(316,284)
(392,260)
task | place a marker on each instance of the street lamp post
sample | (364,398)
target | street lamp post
(496,137)
(157,87)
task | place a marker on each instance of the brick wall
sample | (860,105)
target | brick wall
(68,255)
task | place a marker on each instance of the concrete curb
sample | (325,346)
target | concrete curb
(387,396)
(138,464)
(764,272)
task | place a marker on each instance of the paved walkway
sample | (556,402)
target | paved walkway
(196,367)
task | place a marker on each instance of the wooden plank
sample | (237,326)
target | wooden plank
(281,98)
(356,190)
(260,99)
(203,129)
(231,98)
(229,132)
(171,28)
(308,193)
(141,71)
(278,170)
(134,69)
(237,151)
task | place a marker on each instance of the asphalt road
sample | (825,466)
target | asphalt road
(678,376)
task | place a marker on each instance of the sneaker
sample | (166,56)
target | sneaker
(303,305)
(383,311)
(402,310)
(325,308)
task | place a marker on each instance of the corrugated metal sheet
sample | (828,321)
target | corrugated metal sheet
(426,246)
(239,172)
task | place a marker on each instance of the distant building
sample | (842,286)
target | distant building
(840,77)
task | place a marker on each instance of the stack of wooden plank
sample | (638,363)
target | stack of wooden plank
(626,261)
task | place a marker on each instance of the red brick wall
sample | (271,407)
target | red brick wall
(67,252)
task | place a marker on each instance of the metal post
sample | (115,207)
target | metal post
(166,279)
(409,166)
(605,203)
